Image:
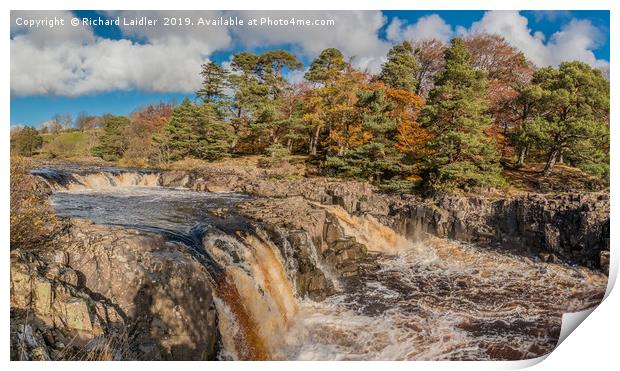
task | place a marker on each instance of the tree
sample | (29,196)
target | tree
(113,141)
(327,67)
(26,141)
(368,147)
(429,54)
(61,121)
(570,119)
(214,81)
(259,88)
(400,70)
(194,131)
(462,154)
(508,72)
(328,104)
(145,122)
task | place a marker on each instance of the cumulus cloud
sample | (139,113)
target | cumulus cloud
(427,27)
(355,33)
(575,40)
(72,61)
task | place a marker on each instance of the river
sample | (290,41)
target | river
(431,300)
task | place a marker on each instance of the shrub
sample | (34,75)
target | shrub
(32,218)
(277,155)
(26,141)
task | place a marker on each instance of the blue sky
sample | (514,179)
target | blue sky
(109,69)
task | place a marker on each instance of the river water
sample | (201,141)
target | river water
(433,300)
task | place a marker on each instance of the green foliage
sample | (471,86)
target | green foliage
(401,68)
(569,117)
(32,218)
(214,81)
(277,155)
(376,158)
(326,67)
(372,161)
(195,131)
(26,141)
(462,154)
(113,142)
(258,105)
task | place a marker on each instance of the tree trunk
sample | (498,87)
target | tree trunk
(314,141)
(551,162)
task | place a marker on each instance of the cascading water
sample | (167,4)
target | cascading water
(430,300)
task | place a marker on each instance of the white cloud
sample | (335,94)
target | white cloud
(73,61)
(355,33)
(427,27)
(575,41)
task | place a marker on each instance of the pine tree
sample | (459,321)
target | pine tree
(456,116)
(401,68)
(214,80)
(327,67)
(569,120)
(195,131)
(113,142)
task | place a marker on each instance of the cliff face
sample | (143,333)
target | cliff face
(570,227)
(112,293)
(574,228)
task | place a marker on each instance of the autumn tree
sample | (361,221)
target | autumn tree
(26,141)
(508,73)
(381,117)
(329,102)
(570,116)
(462,154)
(144,124)
(401,69)
(430,57)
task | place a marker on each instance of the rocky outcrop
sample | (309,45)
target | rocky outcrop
(573,228)
(312,236)
(51,314)
(569,227)
(354,197)
(140,295)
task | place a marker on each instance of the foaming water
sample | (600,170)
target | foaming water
(465,304)
(369,231)
(68,178)
(431,300)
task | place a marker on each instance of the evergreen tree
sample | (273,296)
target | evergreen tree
(401,68)
(327,67)
(26,141)
(462,154)
(330,103)
(113,142)
(195,131)
(214,80)
(569,120)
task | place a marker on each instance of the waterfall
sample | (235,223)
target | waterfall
(64,180)
(370,232)
(256,301)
